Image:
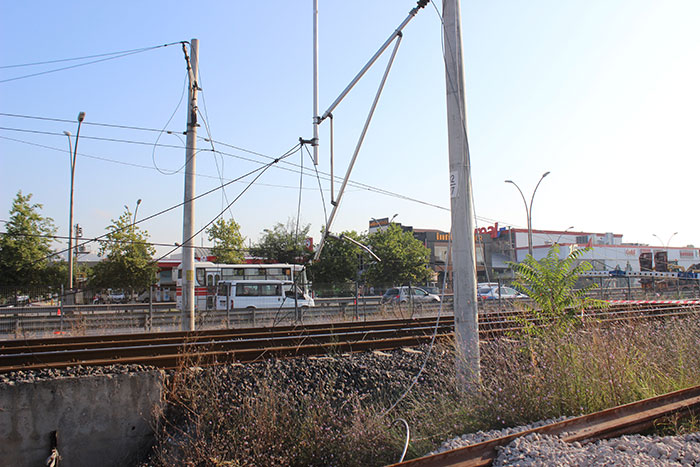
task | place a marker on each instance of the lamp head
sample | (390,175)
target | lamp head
(67,133)
(138,201)
(545,174)
(510,181)
(81,116)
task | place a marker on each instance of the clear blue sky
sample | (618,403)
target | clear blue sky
(604,94)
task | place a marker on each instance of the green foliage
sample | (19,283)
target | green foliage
(128,262)
(550,283)
(404,258)
(284,244)
(337,267)
(25,247)
(228,241)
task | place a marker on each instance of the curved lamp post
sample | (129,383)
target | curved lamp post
(74,151)
(528,209)
(561,234)
(669,239)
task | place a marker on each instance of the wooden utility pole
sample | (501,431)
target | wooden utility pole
(463,257)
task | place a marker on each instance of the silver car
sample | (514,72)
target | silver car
(404,294)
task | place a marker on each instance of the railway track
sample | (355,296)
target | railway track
(209,347)
(170,350)
(625,419)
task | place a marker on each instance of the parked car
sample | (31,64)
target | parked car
(116,297)
(403,295)
(494,292)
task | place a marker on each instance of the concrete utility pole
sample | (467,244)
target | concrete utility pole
(463,258)
(188,273)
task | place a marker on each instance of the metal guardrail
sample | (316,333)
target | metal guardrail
(31,322)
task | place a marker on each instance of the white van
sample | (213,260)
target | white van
(260,294)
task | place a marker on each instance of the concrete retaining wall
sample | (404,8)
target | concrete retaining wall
(101,421)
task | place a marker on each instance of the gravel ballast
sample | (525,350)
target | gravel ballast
(385,375)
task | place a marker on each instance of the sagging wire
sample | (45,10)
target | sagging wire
(210,139)
(432,339)
(408,436)
(147,218)
(261,170)
(320,187)
(155,143)
(219,171)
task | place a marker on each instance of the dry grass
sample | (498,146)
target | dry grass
(308,413)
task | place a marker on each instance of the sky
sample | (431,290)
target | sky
(601,93)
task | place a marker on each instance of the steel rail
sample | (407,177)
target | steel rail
(625,419)
(86,356)
(213,355)
(41,353)
(67,343)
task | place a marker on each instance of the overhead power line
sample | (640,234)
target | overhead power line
(66,120)
(112,56)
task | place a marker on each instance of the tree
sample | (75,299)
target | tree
(284,244)
(404,258)
(128,263)
(337,268)
(25,247)
(550,282)
(228,241)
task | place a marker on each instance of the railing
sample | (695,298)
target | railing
(36,322)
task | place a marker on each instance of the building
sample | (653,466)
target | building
(497,247)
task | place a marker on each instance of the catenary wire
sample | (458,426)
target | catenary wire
(323,175)
(259,169)
(48,62)
(66,120)
(320,188)
(125,54)
(262,170)
(140,166)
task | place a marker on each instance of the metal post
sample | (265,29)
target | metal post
(463,257)
(528,210)
(150,308)
(188,273)
(360,140)
(72,157)
(228,306)
(316,117)
(629,289)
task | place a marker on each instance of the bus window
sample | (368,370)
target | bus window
(200,276)
(247,290)
(270,290)
(212,279)
(227,274)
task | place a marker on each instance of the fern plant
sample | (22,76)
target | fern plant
(550,282)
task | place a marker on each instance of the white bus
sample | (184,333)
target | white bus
(263,294)
(208,275)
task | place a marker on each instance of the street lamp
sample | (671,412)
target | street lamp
(560,235)
(81,117)
(528,210)
(138,202)
(669,239)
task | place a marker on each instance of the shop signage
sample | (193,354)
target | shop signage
(492,230)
